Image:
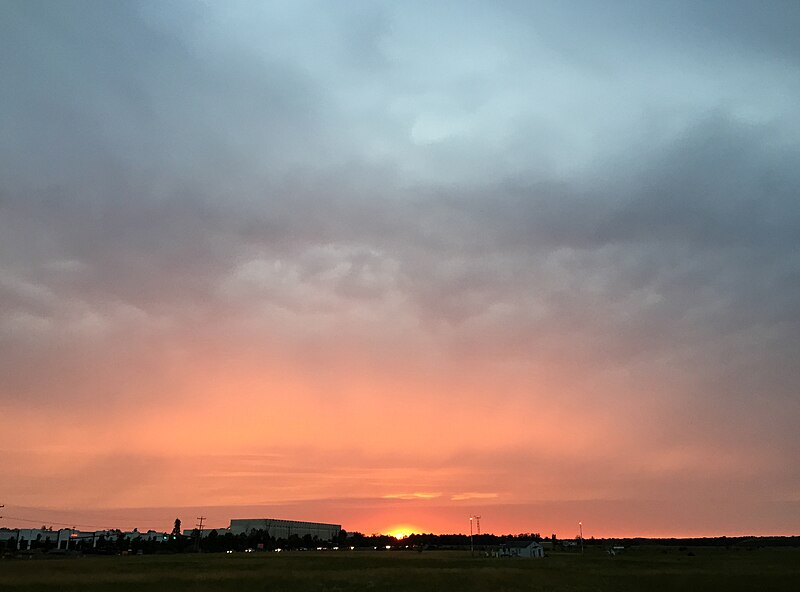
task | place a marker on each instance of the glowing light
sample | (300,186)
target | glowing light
(401,531)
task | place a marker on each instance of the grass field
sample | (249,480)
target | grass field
(650,570)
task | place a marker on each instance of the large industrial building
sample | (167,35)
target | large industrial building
(66,538)
(283,529)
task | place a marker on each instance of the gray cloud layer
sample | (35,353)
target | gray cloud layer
(614,190)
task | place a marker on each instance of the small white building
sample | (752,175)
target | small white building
(530,549)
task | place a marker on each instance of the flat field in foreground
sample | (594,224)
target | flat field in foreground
(648,569)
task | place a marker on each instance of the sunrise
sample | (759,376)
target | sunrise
(403,268)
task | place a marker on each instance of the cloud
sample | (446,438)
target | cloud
(532,220)
(412,496)
(473,495)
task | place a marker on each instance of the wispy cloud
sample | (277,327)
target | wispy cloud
(412,496)
(473,495)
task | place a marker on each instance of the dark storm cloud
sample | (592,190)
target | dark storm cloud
(701,28)
(159,169)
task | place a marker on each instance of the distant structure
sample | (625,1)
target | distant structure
(67,538)
(283,529)
(521,549)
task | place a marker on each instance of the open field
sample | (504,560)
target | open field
(651,570)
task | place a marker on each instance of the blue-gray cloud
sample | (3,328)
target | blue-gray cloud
(594,187)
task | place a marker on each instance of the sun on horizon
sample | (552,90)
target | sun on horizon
(402,531)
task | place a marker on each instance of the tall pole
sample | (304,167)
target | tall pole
(471,545)
(199,531)
(580,525)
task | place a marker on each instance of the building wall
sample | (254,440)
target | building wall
(68,538)
(27,536)
(532,551)
(283,529)
(206,531)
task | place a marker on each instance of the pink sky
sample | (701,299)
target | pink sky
(371,449)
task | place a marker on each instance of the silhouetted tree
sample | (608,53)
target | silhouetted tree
(176,530)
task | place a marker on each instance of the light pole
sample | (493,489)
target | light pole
(580,526)
(471,545)
(477,522)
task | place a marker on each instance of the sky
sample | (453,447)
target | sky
(395,264)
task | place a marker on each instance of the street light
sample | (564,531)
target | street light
(580,525)
(477,520)
(471,544)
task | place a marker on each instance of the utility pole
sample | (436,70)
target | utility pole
(1,507)
(580,525)
(199,526)
(70,536)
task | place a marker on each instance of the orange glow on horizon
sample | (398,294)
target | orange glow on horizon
(401,531)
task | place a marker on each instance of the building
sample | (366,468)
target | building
(26,537)
(190,532)
(521,549)
(68,538)
(283,529)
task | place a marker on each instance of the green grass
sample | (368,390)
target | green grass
(650,570)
